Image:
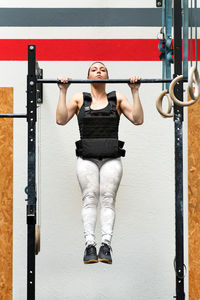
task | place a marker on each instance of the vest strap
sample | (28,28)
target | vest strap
(112,98)
(87,99)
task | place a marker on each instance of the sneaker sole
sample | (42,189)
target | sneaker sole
(91,261)
(104,260)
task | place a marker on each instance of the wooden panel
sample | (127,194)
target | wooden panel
(6,194)
(194,200)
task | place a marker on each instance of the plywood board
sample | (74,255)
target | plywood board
(6,194)
(194,200)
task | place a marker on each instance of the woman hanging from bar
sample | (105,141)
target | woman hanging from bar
(99,166)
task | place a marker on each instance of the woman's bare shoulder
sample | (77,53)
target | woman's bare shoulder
(119,96)
(78,98)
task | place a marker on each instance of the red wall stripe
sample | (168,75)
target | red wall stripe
(83,49)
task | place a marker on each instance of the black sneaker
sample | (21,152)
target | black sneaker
(90,255)
(104,254)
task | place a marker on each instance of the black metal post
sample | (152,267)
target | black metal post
(178,119)
(31,190)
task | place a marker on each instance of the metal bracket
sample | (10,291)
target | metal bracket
(159,3)
(39,85)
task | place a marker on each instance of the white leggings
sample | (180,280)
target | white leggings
(99,179)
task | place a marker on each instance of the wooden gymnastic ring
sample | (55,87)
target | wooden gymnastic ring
(168,114)
(193,77)
(173,97)
(37,239)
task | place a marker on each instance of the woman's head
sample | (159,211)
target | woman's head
(97,70)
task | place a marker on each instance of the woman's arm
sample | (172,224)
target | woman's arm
(65,111)
(134,113)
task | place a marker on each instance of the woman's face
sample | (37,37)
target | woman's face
(98,71)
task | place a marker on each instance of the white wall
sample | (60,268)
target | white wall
(144,237)
(78,3)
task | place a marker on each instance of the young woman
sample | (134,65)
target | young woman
(99,167)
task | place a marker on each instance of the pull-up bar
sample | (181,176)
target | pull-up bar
(153,80)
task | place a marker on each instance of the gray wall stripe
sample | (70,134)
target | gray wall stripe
(39,17)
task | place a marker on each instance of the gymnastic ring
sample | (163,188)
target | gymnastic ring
(37,239)
(193,77)
(167,114)
(173,97)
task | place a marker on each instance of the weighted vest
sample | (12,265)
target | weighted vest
(99,130)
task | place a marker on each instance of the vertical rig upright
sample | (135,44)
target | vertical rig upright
(178,119)
(31,187)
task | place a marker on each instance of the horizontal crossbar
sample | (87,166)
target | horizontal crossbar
(153,80)
(13,116)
